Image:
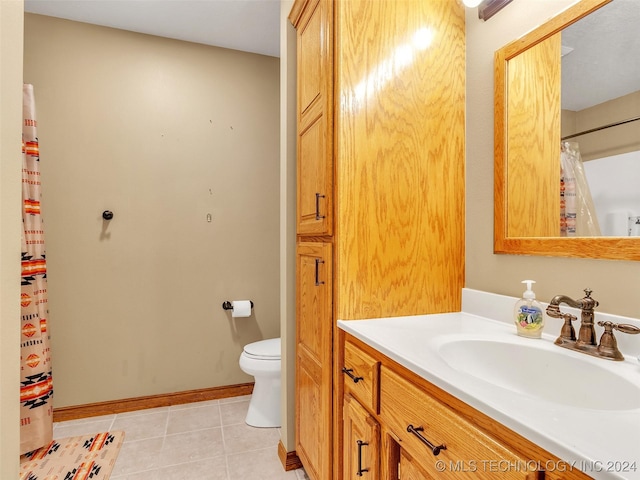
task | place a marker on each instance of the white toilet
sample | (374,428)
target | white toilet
(262,360)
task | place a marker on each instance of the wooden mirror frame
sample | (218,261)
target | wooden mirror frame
(619,248)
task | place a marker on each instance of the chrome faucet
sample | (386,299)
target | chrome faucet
(586,340)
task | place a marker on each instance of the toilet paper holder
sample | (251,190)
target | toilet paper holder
(226,305)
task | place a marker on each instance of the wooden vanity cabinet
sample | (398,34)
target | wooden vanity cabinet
(314,364)
(313,22)
(409,469)
(314,424)
(404,407)
(361,374)
(458,449)
(380,182)
(361,440)
(361,432)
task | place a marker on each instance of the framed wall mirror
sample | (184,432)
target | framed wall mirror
(567,135)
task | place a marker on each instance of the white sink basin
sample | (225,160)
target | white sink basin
(542,371)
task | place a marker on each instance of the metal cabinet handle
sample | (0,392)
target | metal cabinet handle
(318,197)
(318,262)
(349,372)
(360,469)
(416,431)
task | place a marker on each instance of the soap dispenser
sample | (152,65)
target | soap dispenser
(529,317)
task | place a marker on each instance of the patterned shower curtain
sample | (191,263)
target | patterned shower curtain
(36,387)
(577,211)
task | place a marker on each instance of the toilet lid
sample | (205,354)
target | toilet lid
(267,349)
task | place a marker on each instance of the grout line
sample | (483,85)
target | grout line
(189,431)
(224,447)
(166,428)
(164,436)
(242,452)
(224,442)
(226,463)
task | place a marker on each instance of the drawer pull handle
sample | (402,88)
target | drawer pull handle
(360,469)
(318,197)
(318,281)
(349,372)
(416,431)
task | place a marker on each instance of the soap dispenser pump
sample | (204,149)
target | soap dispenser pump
(529,317)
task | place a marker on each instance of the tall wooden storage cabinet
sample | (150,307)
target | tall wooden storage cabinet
(314,268)
(380,200)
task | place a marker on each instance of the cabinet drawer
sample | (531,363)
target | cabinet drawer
(361,376)
(469,453)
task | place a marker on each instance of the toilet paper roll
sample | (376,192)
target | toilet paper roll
(241,308)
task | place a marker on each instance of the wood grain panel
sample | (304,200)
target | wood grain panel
(533,141)
(315,117)
(403,404)
(310,85)
(314,367)
(315,175)
(359,425)
(367,370)
(400,157)
(410,468)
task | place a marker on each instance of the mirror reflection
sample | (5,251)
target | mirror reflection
(600,123)
(567,93)
(572,127)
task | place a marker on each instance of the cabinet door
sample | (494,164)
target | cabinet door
(410,470)
(361,442)
(314,334)
(315,125)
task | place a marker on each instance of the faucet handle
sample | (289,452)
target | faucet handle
(621,327)
(608,346)
(567,332)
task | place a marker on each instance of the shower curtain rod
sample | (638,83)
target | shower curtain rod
(628,120)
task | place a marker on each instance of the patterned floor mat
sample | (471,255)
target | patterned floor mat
(87,457)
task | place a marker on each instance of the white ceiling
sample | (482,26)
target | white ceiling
(605,60)
(246,25)
(603,64)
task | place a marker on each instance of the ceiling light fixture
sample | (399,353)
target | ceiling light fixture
(488,8)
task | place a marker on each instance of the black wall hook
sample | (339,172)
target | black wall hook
(107,214)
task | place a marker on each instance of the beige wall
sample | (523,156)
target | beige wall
(162,133)
(614,283)
(10,224)
(611,141)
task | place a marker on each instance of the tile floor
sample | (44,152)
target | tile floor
(196,441)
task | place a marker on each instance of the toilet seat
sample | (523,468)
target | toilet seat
(264,349)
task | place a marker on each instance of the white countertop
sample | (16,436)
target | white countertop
(605,444)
